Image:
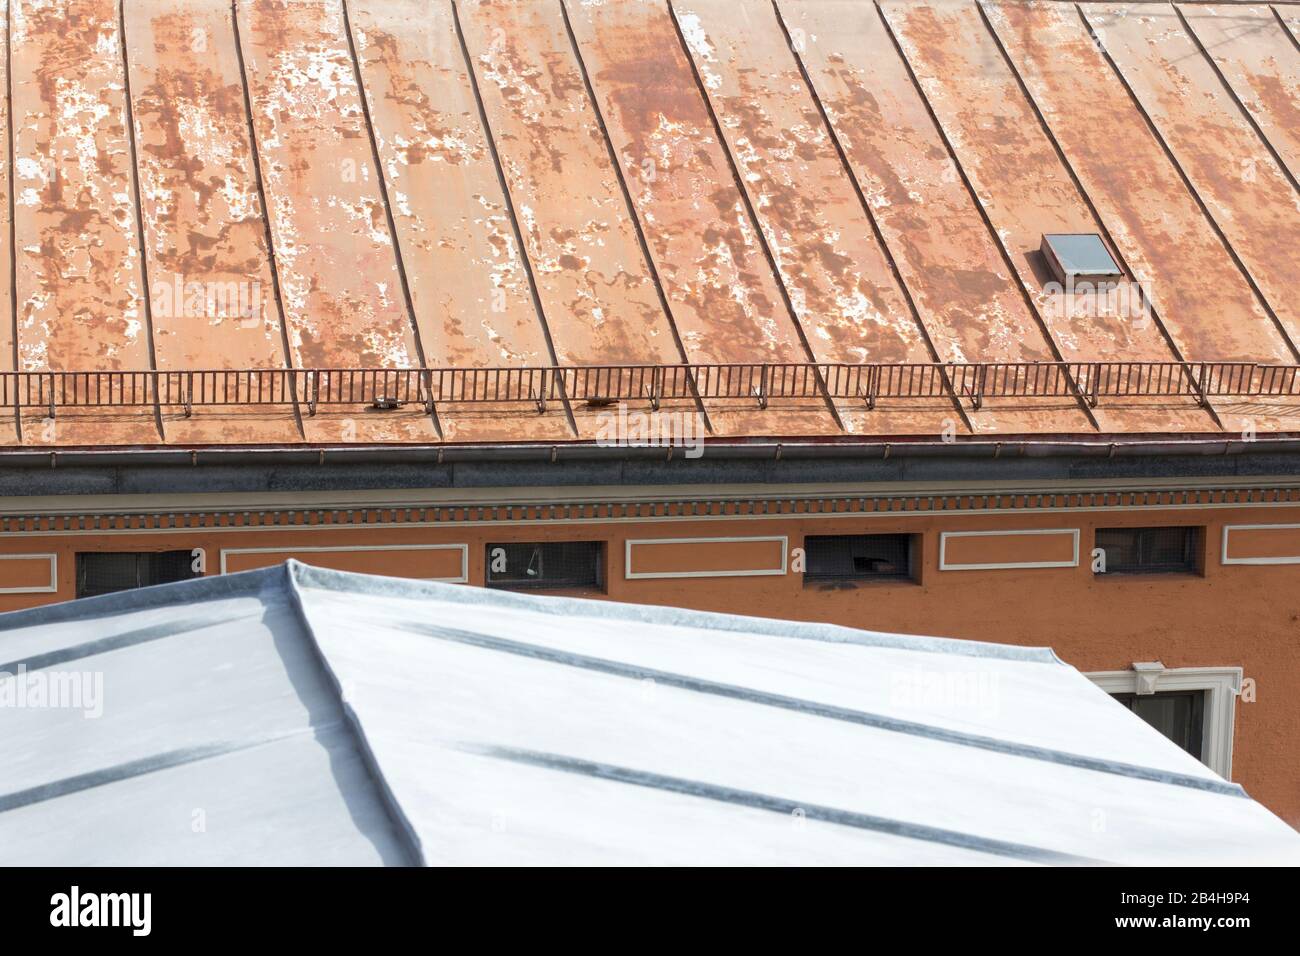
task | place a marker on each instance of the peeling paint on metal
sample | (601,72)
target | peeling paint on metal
(839,279)
(1026,193)
(337,266)
(595,287)
(79,285)
(1246,192)
(472,300)
(947,257)
(1261,64)
(1202,297)
(210,282)
(715,275)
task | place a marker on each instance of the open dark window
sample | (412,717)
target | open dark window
(1150,550)
(858,557)
(1179,715)
(554,565)
(103,572)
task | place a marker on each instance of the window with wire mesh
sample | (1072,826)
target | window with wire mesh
(551,565)
(1150,550)
(858,557)
(103,572)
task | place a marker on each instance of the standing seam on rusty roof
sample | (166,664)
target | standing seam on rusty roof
(1285,27)
(1227,87)
(1092,207)
(984,216)
(631,210)
(490,138)
(272,262)
(139,211)
(761,237)
(1255,207)
(1187,182)
(726,148)
(869,214)
(9,197)
(381,178)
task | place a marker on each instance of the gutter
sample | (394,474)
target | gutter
(583,452)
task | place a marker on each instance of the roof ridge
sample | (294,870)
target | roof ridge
(329,579)
(401,821)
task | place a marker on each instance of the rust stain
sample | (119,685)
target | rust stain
(595,287)
(472,300)
(966,294)
(338,270)
(1027,192)
(723,296)
(211,290)
(1260,63)
(1202,297)
(839,280)
(8,426)
(78,284)
(1245,190)
(598,296)
(732,224)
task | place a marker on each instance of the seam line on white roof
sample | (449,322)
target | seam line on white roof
(782,805)
(145,765)
(143,635)
(816,709)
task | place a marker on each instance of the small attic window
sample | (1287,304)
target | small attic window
(1079,256)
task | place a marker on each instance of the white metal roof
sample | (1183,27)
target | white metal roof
(299,715)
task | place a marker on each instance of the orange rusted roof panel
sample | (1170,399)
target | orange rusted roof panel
(1249,198)
(1260,62)
(820,237)
(946,254)
(1200,293)
(78,285)
(472,300)
(598,297)
(275,186)
(1026,192)
(597,293)
(8,427)
(212,298)
(721,293)
(338,274)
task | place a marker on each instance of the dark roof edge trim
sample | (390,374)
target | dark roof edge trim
(758,450)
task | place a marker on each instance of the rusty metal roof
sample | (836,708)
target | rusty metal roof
(274,222)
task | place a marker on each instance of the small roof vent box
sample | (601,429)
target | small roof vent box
(1079,256)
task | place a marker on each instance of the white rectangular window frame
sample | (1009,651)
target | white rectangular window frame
(1221,686)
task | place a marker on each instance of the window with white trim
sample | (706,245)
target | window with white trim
(1196,707)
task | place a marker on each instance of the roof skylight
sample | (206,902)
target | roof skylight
(1079,255)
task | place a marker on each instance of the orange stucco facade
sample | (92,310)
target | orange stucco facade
(1013,569)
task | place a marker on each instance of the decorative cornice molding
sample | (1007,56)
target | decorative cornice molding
(111,520)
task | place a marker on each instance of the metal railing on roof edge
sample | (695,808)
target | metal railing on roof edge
(599,385)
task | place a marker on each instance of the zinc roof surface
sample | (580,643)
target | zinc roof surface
(297,715)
